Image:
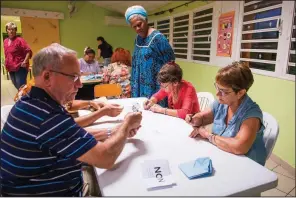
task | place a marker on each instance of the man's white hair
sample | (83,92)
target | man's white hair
(52,56)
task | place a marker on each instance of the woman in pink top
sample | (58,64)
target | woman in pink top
(182,98)
(17,54)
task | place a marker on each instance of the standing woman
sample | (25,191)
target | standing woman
(105,50)
(17,54)
(152,50)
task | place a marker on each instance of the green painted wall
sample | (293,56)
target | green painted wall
(274,95)
(85,25)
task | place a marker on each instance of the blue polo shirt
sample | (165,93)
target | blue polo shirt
(40,143)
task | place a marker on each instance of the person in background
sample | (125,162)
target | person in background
(119,71)
(88,64)
(105,50)
(237,119)
(152,50)
(17,54)
(182,97)
(42,148)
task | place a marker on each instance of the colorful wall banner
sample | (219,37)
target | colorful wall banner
(225,34)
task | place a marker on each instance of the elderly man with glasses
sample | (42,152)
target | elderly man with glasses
(42,147)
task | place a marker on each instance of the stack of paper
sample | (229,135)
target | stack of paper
(157,173)
(92,77)
(201,167)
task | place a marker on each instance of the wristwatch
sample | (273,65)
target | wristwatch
(109,132)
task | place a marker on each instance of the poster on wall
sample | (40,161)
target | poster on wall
(225,34)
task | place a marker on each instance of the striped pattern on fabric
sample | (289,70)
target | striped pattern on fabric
(40,143)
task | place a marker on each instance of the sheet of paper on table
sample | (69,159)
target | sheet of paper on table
(157,174)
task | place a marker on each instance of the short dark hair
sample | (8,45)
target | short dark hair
(237,75)
(100,38)
(170,72)
(89,50)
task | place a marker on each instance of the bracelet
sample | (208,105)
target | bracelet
(109,132)
(214,142)
(210,138)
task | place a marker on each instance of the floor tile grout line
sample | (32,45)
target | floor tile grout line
(291,190)
(282,191)
(284,175)
(275,167)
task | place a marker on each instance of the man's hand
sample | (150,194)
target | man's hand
(97,104)
(133,121)
(112,110)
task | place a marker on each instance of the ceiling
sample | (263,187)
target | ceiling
(121,6)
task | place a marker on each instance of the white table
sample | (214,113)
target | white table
(165,137)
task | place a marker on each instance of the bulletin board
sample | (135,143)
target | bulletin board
(225,34)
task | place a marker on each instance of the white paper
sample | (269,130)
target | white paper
(157,173)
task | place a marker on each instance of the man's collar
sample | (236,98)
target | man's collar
(41,94)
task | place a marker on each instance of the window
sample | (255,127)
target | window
(291,58)
(164,27)
(260,34)
(151,24)
(180,36)
(201,35)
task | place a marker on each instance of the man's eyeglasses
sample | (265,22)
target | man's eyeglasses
(223,93)
(73,77)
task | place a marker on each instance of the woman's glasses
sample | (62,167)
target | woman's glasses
(223,92)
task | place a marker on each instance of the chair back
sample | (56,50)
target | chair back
(205,100)
(107,90)
(270,133)
(4,114)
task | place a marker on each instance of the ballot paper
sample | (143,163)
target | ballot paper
(157,174)
(136,107)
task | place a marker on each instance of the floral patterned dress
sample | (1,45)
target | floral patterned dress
(119,73)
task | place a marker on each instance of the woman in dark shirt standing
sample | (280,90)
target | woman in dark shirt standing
(105,50)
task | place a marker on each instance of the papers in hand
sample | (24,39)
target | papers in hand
(156,174)
(91,77)
(201,167)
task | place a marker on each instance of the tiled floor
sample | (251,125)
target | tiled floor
(286,181)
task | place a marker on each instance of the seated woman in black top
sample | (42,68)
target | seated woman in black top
(105,50)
